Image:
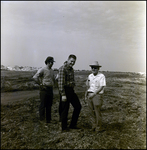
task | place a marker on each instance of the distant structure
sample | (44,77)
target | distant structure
(17,68)
(142,73)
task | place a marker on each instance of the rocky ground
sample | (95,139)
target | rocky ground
(123,111)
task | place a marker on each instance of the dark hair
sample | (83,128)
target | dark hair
(49,59)
(72,56)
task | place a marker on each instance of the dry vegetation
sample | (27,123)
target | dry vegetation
(123,111)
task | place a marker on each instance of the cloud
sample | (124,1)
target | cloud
(91,30)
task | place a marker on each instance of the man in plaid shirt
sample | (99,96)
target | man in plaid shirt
(66,85)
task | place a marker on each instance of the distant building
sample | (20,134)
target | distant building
(17,68)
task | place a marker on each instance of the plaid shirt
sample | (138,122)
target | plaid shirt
(65,78)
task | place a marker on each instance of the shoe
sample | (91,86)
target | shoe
(99,129)
(42,119)
(74,127)
(59,119)
(93,129)
(48,121)
(66,130)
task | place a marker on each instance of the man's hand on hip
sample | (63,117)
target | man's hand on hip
(64,99)
(91,95)
(86,94)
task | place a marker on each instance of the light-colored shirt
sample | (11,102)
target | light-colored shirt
(94,82)
(45,76)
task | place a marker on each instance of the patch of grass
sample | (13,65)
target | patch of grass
(123,118)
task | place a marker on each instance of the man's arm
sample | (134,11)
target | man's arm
(87,83)
(61,81)
(37,76)
(87,87)
(99,90)
(54,79)
(96,92)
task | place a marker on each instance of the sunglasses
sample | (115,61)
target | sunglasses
(94,67)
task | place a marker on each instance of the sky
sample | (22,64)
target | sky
(110,32)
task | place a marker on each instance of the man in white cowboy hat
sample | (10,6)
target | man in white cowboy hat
(96,82)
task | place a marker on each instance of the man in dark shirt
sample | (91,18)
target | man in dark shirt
(66,85)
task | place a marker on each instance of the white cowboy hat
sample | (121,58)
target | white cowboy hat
(95,63)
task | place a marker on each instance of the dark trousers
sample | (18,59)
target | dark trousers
(64,107)
(46,98)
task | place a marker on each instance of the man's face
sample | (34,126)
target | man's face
(50,64)
(71,62)
(94,70)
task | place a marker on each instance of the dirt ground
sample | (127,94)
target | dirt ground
(8,97)
(123,115)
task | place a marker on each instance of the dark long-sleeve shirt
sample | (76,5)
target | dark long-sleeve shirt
(65,78)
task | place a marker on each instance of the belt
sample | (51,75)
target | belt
(68,86)
(46,87)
